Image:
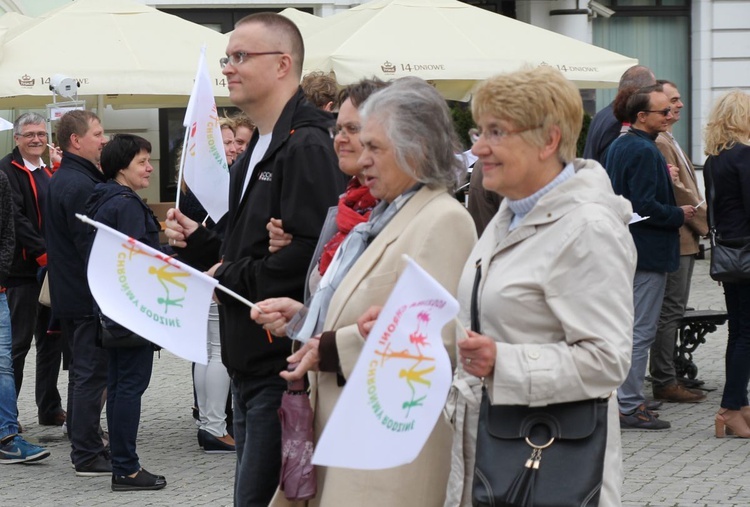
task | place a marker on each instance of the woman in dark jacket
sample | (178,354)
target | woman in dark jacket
(728,169)
(126,165)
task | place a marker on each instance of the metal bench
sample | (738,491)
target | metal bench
(694,327)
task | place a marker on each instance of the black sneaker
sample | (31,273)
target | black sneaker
(642,419)
(143,481)
(97,467)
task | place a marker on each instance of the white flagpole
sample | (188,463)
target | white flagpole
(182,165)
(87,220)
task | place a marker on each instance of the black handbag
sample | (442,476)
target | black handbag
(730,258)
(114,336)
(549,456)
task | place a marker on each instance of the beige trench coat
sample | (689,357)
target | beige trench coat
(556,295)
(438,233)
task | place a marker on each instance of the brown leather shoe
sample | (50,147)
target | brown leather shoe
(56,420)
(678,394)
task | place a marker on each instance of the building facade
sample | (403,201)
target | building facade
(701,45)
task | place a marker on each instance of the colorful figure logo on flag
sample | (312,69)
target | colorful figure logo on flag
(403,353)
(167,287)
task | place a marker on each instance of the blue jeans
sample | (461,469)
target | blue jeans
(8,421)
(648,293)
(257,437)
(129,376)
(737,359)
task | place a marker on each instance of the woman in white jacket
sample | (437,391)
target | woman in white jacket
(554,298)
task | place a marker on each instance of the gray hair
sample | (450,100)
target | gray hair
(418,124)
(637,76)
(27,119)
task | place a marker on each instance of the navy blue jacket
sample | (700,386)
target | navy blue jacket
(730,174)
(122,209)
(639,173)
(297,180)
(68,239)
(603,130)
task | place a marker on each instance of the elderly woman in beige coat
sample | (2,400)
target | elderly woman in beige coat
(555,300)
(408,163)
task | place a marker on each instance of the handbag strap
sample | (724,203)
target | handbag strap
(708,177)
(475,296)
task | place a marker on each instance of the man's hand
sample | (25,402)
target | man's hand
(689,211)
(674,173)
(277,312)
(179,228)
(277,238)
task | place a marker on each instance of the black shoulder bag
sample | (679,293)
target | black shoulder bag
(549,456)
(730,258)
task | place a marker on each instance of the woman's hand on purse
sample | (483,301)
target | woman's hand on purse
(307,357)
(477,354)
(367,320)
(277,312)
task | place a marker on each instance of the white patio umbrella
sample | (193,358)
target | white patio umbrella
(304,20)
(122,53)
(449,43)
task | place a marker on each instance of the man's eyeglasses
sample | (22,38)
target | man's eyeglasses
(663,112)
(240,56)
(351,129)
(494,135)
(32,135)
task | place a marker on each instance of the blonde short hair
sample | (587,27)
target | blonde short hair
(534,97)
(728,123)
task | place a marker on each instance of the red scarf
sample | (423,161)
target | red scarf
(354,208)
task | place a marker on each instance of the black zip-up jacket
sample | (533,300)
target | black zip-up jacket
(296,180)
(68,239)
(30,252)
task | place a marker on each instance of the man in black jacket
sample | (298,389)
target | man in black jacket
(81,138)
(29,181)
(288,171)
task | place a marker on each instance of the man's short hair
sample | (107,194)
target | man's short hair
(120,151)
(287,29)
(640,101)
(319,88)
(27,119)
(73,122)
(666,82)
(242,120)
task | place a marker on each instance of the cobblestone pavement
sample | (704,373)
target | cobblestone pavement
(685,466)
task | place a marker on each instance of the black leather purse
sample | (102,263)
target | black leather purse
(549,456)
(113,336)
(730,258)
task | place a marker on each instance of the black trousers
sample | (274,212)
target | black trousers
(28,319)
(87,379)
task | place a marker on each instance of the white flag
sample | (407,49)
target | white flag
(151,294)
(5,124)
(399,385)
(205,167)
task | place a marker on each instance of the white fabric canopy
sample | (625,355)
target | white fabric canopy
(129,54)
(450,43)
